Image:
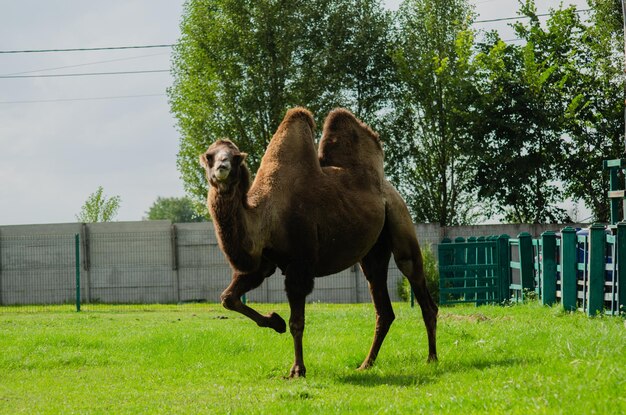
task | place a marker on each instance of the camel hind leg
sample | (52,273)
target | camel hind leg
(410,263)
(408,258)
(375,266)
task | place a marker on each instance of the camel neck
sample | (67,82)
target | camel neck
(229,212)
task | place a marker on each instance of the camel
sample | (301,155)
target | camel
(311,214)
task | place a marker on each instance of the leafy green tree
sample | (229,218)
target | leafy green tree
(426,129)
(99,208)
(231,68)
(518,145)
(239,65)
(595,115)
(175,209)
(352,38)
(548,113)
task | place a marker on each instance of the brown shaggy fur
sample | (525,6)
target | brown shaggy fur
(313,215)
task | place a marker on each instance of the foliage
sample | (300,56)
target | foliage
(520,359)
(594,118)
(471,130)
(433,49)
(431,270)
(239,65)
(99,208)
(518,123)
(175,209)
(547,115)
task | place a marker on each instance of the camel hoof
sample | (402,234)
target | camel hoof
(277,323)
(297,372)
(363,367)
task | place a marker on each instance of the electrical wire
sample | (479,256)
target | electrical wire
(36,101)
(67,75)
(503,19)
(85,64)
(86,49)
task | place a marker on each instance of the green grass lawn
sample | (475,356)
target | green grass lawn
(521,359)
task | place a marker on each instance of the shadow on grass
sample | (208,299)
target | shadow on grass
(432,372)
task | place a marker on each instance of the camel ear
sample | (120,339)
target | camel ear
(240,158)
(205,160)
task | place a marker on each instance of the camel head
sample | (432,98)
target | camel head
(224,165)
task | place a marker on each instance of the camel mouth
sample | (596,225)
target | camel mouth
(221,173)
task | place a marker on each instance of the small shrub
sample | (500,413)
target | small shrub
(431,270)
(530,295)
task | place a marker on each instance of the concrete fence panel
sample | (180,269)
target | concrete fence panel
(37,264)
(161,262)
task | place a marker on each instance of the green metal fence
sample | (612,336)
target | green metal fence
(581,269)
(470,271)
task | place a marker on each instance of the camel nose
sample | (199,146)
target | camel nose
(223,165)
(222,170)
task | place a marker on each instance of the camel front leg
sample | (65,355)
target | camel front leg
(298,284)
(241,284)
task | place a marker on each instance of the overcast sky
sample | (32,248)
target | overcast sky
(62,137)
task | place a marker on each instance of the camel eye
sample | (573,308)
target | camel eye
(209,159)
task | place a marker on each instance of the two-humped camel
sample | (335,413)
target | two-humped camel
(313,215)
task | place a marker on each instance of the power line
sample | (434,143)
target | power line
(80,99)
(502,19)
(86,64)
(86,49)
(66,75)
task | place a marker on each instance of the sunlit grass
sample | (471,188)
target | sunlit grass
(521,359)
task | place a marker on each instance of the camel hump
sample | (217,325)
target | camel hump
(349,142)
(293,146)
(300,113)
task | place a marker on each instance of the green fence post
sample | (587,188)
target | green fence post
(620,249)
(77,260)
(503,272)
(597,269)
(460,255)
(445,258)
(614,185)
(526,261)
(481,274)
(491,276)
(569,260)
(537,264)
(548,268)
(471,275)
